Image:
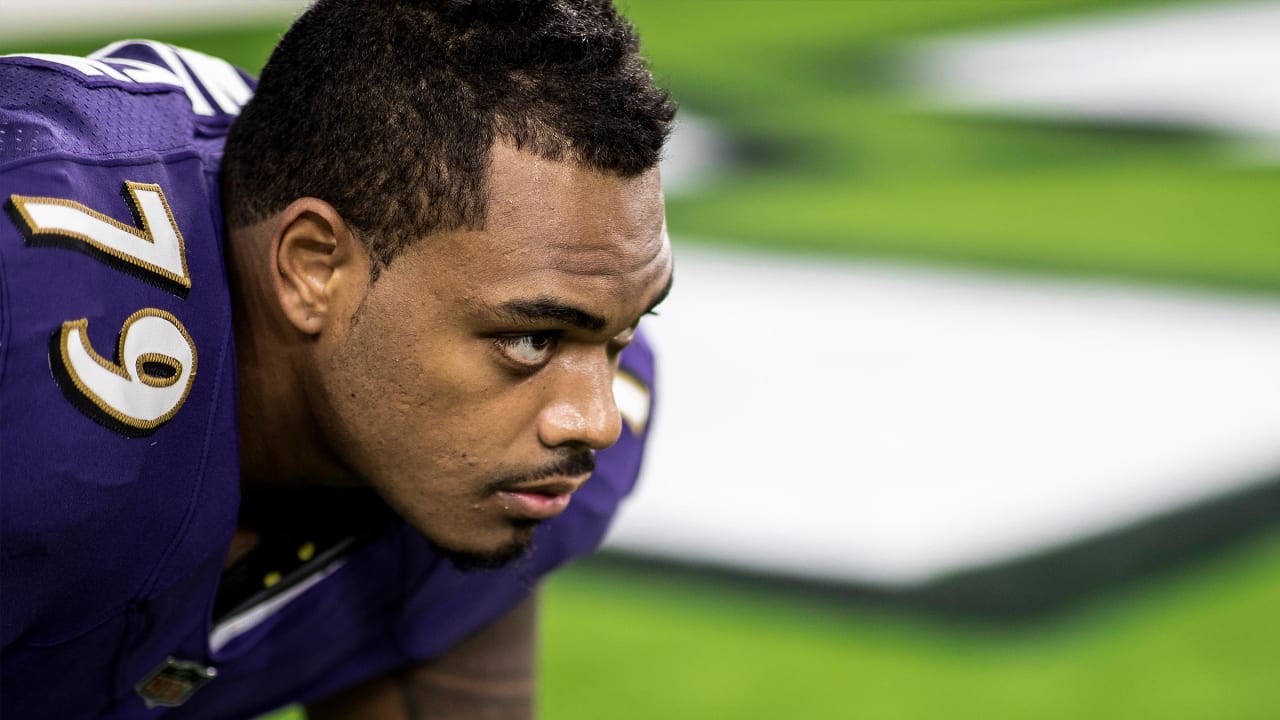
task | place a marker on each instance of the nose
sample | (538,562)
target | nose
(582,410)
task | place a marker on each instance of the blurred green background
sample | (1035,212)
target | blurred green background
(832,155)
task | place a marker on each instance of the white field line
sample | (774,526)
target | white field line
(890,423)
(1211,66)
(22,20)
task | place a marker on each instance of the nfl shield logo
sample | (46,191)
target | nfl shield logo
(173,681)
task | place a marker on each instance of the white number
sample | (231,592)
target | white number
(155,361)
(155,246)
(155,365)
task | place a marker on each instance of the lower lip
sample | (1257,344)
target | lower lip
(534,505)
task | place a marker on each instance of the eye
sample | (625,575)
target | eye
(528,350)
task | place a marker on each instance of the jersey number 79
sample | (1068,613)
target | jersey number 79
(154,365)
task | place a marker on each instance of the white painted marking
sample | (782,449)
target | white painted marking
(1208,66)
(695,153)
(22,20)
(889,423)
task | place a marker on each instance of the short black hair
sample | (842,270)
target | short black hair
(388,109)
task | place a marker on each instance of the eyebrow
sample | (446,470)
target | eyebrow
(543,309)
(546,309)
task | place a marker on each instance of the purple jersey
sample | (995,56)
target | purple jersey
(119,476)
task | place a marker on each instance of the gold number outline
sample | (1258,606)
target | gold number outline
(179,285)
(89,402)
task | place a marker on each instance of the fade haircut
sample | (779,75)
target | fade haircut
(388,109)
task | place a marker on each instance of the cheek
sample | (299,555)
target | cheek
(373,386)
(401,403)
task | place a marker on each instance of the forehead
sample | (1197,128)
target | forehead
(559,208)
(557,231)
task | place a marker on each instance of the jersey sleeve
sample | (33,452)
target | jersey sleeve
(116,400)
(445,605)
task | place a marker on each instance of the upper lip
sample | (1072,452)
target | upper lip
(562,486)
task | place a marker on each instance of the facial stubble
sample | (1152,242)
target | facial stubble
(574,462)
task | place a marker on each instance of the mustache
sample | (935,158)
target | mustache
(575,462)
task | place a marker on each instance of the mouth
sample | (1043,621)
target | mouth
(539,501)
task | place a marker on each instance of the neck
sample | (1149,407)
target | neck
(281,445)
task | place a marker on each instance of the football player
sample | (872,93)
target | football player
(304,386)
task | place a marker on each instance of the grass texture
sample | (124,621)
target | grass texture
(836,154)
(1200,644)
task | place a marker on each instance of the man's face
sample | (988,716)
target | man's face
(475,382)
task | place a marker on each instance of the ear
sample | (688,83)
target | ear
(320,270)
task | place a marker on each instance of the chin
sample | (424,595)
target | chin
(501,555)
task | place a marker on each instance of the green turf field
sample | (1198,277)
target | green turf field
(839,158)
(834,157)
(1200,645)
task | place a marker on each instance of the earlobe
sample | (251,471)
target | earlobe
(314,254)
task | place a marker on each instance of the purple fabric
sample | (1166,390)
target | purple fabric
(112,546)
